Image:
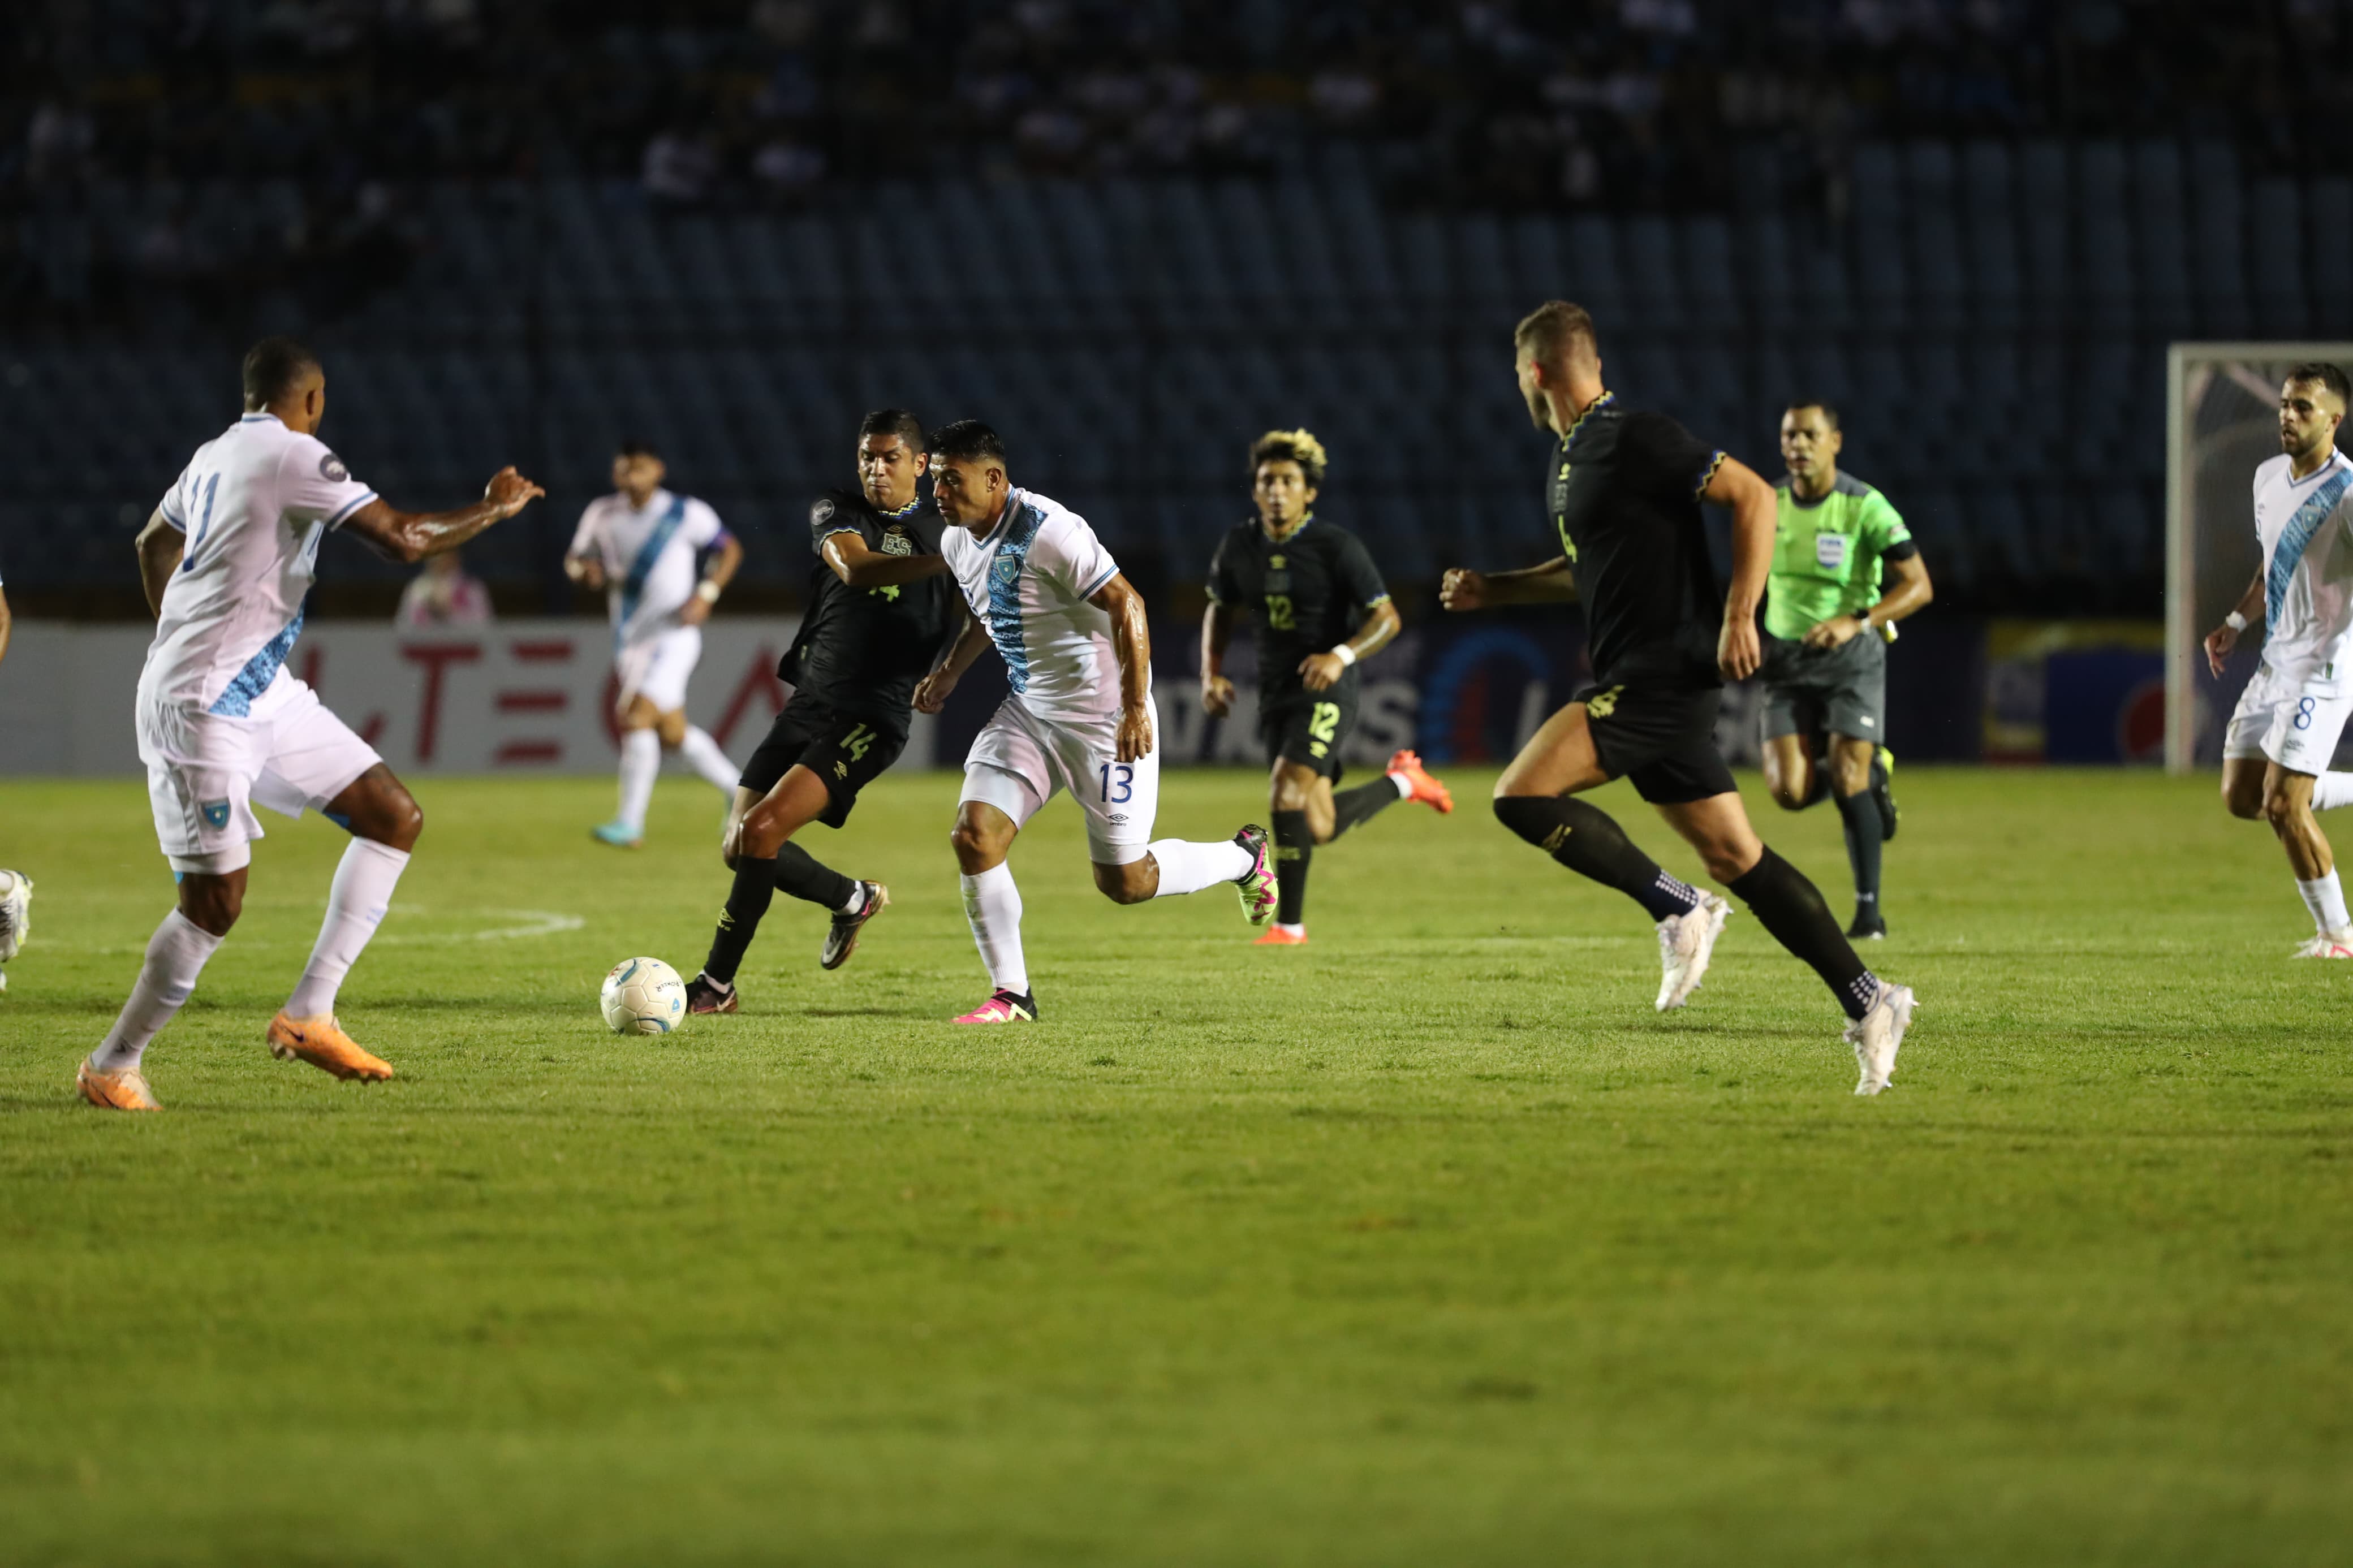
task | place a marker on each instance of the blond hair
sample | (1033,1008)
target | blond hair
(1299,446)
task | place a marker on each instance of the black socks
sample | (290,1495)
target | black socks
(747,901)
(1362,804)
(1866,836)
(1791,908)
(1294,847)
(803,876)
(1584,839)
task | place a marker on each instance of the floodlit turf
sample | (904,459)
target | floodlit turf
(1429,1242)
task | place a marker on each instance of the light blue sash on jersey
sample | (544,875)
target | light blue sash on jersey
(2298,534)
(650,555)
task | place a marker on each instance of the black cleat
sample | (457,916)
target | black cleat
(1883,790)
(704,994)
(842,937)
(1866,928)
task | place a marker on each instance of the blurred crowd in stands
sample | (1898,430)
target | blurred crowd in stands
(1619,104)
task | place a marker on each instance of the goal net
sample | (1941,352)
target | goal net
(2221,412)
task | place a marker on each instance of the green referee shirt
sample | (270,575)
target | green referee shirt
(1827,554)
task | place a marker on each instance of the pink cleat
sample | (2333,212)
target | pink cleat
(1004,1007)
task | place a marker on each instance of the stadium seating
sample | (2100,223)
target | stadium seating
(1988,317)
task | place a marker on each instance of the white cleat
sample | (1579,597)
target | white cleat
(2335,944)
(1686,943)
(1877,1034)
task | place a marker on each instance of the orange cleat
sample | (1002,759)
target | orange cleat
(323,1043)
(1420,785)
(1282,936)
(122,1091)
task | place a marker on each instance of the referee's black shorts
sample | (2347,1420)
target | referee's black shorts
(1662,739)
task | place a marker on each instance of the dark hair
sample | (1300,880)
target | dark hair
(1299,446)
(1551,328)
(631,446)
(894,422)
(2329,376)
(966,441)
(272,367)
(1830,409)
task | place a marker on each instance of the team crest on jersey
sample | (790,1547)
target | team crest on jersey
(1274,562)
(895,541)
(215,812)
(331,469)
(1006,568)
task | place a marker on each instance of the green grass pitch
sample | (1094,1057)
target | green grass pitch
(1429,1242)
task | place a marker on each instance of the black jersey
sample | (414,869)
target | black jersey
(1310,591)
(1624,494)
(862,650)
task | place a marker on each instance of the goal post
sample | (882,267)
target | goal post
(2221,419)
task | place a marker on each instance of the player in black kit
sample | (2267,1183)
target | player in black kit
(1623,490)
(877,613)
(1322,606)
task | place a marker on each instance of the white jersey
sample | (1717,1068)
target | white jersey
(649,556)
(253,503)
(1028,580)
(2306,528)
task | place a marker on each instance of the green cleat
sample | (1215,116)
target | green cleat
(1257,884)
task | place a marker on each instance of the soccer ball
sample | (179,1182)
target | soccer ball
(643,996)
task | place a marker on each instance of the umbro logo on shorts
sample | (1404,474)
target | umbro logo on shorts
(215,812)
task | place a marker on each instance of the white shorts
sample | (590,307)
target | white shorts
(2295,726)
(206,772)
(1018,760)
(657,667)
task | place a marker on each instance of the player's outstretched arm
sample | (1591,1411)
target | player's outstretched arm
(159,546)
(411,536)
(1131,643)
(1464,589)
(932,692)
(1217,636)
(1738,651)
(2224,637)
(860,567)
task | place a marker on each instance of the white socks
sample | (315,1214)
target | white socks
(640,760)
(1187,867)
(2325,897)
(993,905)
(2330,790)
(175,956)
(709,760)
(1404,786)
(355,905)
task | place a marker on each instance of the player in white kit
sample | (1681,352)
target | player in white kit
(2277,752)
(642,544)
(227,561)
(1078,656)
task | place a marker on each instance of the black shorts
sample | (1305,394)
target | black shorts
(847,752)
(1308,727)
(1660,738)
(1841,690)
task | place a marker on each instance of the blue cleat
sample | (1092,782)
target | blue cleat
(619,835)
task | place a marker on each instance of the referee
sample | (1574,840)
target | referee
(1826,637)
